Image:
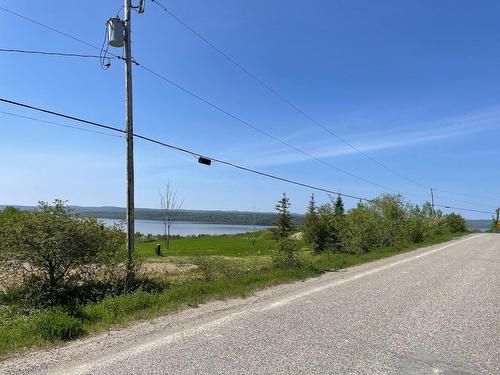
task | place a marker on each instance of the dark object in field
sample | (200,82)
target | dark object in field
(158,249)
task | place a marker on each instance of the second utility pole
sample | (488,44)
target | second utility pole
(130,144)
(432,202)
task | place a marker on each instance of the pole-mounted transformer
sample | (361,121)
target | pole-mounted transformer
(116,32)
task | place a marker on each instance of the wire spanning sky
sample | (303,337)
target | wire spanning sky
(413,85)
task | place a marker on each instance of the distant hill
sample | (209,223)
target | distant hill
(479,224)
(204,216)
(198,216)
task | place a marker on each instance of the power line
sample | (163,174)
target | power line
(220,109)
(55,30)
(49,53)
(184,150)
(464,194)
(104,60)
(459,200)
(198,155)
(290,103)
(61,115)
(58,124)
(282,97)
(263,132)
(464,209)
(151,71)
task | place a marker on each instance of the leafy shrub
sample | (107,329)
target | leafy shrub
(436,227)
(365,227)
(57,252)
(455,223)
(392,212)
(286,253)
(414,230)
(386,221)
(152,285)
(56,324)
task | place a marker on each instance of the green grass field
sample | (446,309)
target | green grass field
(239,245)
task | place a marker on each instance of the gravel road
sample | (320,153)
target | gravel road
(432,311)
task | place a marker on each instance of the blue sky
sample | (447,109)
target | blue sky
(415,84)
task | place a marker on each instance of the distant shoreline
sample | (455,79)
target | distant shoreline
(188,216)
(206,216)
(186,228)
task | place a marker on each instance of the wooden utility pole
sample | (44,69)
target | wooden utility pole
(130,141)
(432,202)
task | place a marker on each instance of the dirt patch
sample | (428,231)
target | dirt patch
(166,268)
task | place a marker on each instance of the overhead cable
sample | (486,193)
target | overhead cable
(51,53)
(282,97)
(217,160)
(182,149)
(151,71)
(220,109)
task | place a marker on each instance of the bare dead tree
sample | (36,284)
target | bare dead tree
(170,207)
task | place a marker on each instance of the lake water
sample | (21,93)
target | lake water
(480,228)
(184,228)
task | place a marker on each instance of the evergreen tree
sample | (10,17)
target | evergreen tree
(339,225)
(283,221)
(310,221)
(311,207)
(320,226)
(338,209)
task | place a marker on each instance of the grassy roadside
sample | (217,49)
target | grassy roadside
(218,277)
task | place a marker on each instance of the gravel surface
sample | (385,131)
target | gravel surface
(432,311)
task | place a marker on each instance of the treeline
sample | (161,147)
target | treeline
(195,216)
(382,222)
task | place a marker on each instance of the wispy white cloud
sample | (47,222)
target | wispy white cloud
(393,138)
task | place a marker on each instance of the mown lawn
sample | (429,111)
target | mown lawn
(239,245)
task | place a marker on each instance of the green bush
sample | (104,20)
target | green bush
(365,228)
(455,223)
(152,285)
(286,253)
(414,230)
(386,221)
(393,213)
(64,253)
(56,324)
